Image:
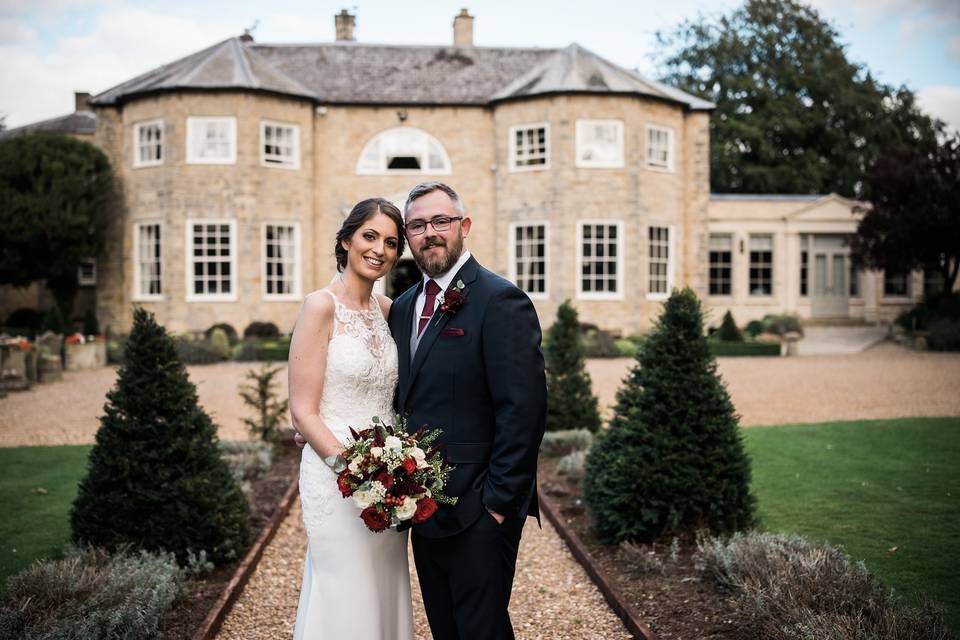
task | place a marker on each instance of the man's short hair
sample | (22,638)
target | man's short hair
(424,188)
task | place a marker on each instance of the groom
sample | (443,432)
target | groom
(471,365)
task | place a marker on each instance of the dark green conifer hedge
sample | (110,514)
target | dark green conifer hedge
(155,477)
(672,460)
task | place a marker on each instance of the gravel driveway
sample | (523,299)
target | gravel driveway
(884,382)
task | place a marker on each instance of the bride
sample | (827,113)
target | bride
(343,371)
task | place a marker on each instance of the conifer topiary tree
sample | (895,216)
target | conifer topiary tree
(155,478)
(728,331)
(672,459)
(570,400)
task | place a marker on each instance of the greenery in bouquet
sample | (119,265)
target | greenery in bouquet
(396,478)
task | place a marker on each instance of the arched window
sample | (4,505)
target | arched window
(403,150)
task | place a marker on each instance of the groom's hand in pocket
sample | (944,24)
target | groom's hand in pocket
(496,516)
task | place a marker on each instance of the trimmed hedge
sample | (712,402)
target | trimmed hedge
(728,349)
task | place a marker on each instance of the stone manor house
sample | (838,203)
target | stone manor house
(585,180)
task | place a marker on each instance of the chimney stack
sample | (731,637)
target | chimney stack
(345,24)
(81,101)
(463,29)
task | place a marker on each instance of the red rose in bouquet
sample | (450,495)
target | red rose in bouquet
(425,508)
(375,519)
(395,477)
(346,483)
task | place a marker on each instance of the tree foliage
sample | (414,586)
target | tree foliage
(794,114)
(56,193)
(913,221)
(155,477)
(672,459)
(570,400)
(260,395)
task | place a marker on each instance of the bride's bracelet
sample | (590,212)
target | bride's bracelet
(338,463)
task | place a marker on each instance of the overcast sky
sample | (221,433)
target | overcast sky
(51,48)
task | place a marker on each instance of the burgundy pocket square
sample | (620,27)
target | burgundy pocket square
(452,332)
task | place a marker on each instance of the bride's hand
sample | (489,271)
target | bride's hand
(299,440)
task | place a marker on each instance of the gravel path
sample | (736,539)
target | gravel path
(67,412)
(884,382)
(552,596)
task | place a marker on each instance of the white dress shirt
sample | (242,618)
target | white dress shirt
(444,281)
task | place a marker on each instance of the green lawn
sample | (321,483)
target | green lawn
(870,486)
(36,524)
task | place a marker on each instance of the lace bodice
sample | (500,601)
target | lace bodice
(361,369)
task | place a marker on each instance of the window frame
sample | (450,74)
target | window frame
(729,265)
(188,257)
(671,148)
(512,268)
(619,163)
(137,162)
(83,280)
(138,295)
(773,263)
(382,169)
(671,261)
(512,146)
(297,261)
(193,122)
(908,286)
(621,259)
(295,163)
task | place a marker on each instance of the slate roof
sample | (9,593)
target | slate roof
(577,70)
(355,73)
(78,122)
(226,65)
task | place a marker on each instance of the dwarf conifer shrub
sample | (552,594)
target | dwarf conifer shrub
(672,459)
(260,395)
(155,478)
(570,400)
(728,329)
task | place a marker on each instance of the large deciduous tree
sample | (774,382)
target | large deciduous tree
(793,114)
(55,197)
(913,221)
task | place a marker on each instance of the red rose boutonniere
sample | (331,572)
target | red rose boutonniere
(451,300)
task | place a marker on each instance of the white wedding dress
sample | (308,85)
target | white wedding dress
(356,583)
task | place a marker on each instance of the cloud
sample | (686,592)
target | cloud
(942,102)
(38,82)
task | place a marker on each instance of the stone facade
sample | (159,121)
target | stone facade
(812,274)
(319,194)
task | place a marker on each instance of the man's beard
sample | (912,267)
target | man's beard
(436,266)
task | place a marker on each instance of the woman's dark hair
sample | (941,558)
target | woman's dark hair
(363,211)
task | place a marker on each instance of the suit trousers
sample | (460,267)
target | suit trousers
(466,579)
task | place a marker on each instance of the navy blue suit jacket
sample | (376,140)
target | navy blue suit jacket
(478,375)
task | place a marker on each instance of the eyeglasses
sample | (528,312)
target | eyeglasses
(440,223)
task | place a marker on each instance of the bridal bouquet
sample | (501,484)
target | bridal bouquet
(397,478)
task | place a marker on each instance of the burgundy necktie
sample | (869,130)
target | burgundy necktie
(432,290)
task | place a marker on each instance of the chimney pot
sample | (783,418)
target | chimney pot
(81,101)
(463,29)
(345,24)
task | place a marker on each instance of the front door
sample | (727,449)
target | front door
(831,270)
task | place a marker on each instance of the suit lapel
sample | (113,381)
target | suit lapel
(467,273)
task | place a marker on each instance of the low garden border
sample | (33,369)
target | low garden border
(218,613)
(624,610)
